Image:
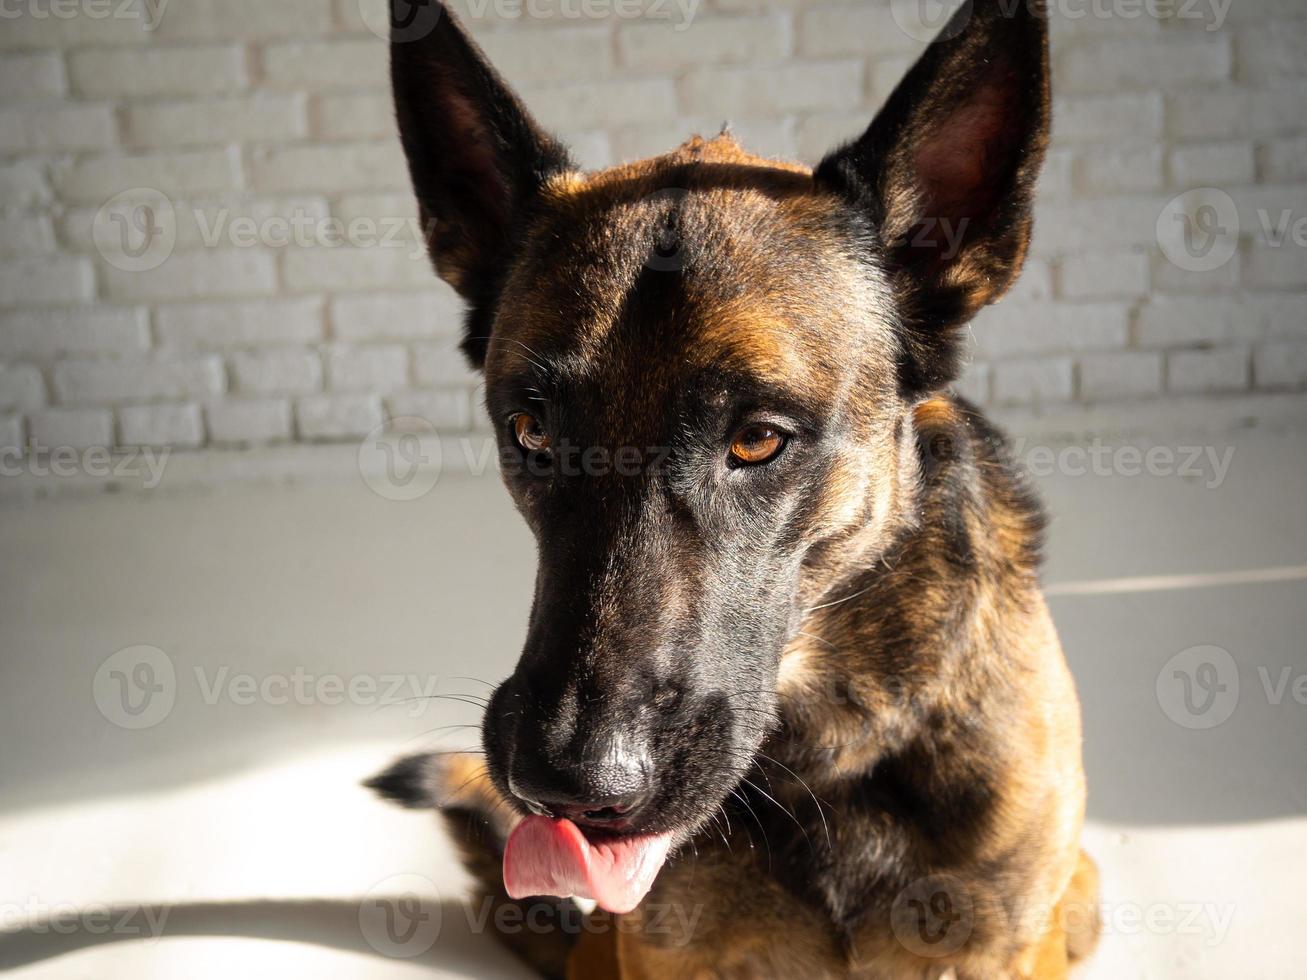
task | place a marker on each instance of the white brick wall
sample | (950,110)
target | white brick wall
(268,127)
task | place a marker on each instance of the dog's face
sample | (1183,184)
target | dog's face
(701,370)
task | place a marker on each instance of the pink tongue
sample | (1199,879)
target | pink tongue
(545,856)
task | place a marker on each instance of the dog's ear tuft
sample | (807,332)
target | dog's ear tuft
(946,173)
(407,782)
(475,155)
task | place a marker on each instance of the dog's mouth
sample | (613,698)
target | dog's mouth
(553,856)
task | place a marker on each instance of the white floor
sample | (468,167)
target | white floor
(235,827)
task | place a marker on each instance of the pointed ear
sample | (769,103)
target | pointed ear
(476,157)
(946,174)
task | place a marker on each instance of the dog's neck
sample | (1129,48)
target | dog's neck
(888,651)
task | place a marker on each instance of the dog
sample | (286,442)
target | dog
(790,702)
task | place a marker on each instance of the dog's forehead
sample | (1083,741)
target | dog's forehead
(708,255)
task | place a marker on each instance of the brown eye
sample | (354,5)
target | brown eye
(528,433)
(756,444)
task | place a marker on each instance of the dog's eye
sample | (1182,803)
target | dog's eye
(529,434)
(755,444)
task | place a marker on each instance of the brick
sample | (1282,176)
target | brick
(262,116)
(1117,222)
(56,127)
(249,421)
(1170,278)
(96,179)
(396,316)
(225,326)
(25,234)
(1103,118)
(213,273)
(441,364)
(1282,316)
(326,417)
(1120,169)
(1034,283)
(353,116)
(886,73)
(1234,113)
(819,133)
(1196,164)
(1272,51)
(816,85)
(178,426)
(21,387)
(26,76)
(345,269)
(1112,275)
(1032,381)
(1280,365)
(1172,60)
(1284,159)
(53,280)
(1127,374)
(49,334)
(654,46)
(105,382)
(56,428)
(554,55)
(766,137)
(1057,178)
(1028,328)
(23,184)
(448,411)
(585,104)
(245,19)
(974,385)
(1283,267)
(589,148)
(170,71)
(331,167)
(1168,323)
(329,65)
(375,368)
(279,371)
(1196,371)
(861,29)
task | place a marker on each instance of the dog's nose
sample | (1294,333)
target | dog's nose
(600,794)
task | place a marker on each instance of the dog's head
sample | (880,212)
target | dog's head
(702,369)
